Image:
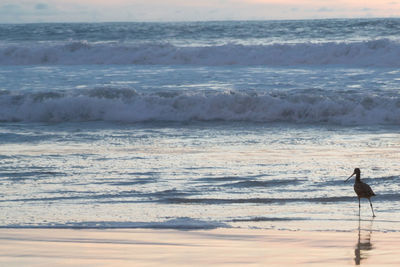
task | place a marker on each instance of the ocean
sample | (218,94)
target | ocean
(199,125)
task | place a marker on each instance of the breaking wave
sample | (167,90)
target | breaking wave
(127,105)
(381,52)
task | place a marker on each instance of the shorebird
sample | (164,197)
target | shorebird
(362,190)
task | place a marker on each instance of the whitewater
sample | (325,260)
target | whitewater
(380,52)
(199,125)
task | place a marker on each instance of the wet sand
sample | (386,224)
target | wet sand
(149,247)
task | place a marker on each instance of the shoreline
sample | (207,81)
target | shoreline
(222,247)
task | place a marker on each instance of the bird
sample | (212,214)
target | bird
(362,190)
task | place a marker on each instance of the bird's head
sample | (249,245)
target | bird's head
(357,172)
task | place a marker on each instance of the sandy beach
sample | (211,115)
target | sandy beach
(222,247)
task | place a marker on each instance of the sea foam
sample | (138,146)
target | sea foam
(180,223)
(127,105)
(380,53)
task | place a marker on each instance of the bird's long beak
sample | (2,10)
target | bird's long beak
(350,177)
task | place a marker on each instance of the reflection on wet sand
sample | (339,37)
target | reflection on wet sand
(364,242)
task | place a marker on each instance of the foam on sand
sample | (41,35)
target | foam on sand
(181,223)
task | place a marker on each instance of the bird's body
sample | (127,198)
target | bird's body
(362,190)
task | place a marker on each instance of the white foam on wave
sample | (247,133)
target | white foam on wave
(180,223)
(129,106)
(380,52)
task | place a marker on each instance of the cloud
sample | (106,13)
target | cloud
(41,6)
(325,9)
(10,8)
(27,11)
(10,11)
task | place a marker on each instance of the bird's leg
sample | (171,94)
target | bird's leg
(370,203)
(359,207)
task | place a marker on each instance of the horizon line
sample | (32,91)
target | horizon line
(199,21)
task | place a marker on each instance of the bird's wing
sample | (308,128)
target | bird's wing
(368,189)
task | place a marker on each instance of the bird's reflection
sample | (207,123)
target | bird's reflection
(364,242)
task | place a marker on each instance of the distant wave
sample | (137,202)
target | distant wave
(327,199)
(380,52)
(127,105)
(219,201)
(268,183)
(267,219)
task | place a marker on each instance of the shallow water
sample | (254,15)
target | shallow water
(235,174)
(257,130)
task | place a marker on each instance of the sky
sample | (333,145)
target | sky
(32,11)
